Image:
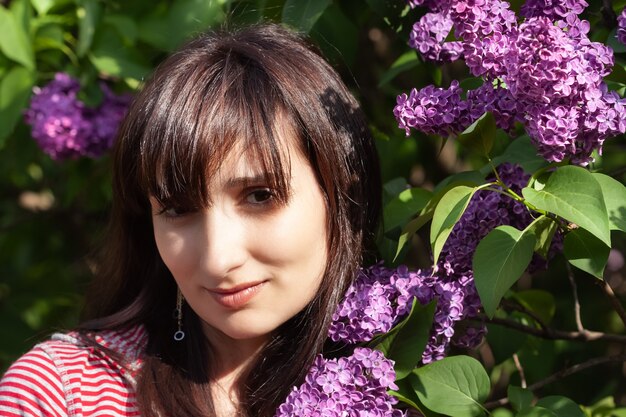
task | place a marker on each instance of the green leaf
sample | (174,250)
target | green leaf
(614,43)
(407,395)
(502,412)
(536,412)
(405,343)
(88,13)
(15,41)
(42,6)
(110,56)
(561,406)
(614,193)
(618,74)
(520,398)
(543,228)
(169,26)
(125,26)
(302,14)
(540,302)
(410,229)
(500,259)
(573,193)
(448,211)
(15,90)
(522,152)
(504,342)
(469,178)
(480,135)
(405,62)
(404,206)
(454,386)
(586,252)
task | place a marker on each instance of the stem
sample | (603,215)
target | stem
(552,334)
(615,302)
(518,307)
(520,369)
(562,374)
(570,276)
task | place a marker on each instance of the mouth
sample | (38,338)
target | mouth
(237,296)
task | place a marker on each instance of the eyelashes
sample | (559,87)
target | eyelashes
(258,198)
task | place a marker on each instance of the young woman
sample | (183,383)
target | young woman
(246,195)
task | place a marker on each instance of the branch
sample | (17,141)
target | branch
(615,302)
(551,334)
(520,369)
(560,375)
(507,304)
(570,276)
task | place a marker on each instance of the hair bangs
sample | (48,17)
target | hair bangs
(191,131)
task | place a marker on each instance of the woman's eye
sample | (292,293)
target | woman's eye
(174,212)
(259,196)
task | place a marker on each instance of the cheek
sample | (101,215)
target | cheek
(177,251)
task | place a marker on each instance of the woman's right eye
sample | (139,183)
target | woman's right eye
(174,212)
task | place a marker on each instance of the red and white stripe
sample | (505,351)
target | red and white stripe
(63,377)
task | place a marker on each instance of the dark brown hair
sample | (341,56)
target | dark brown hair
(220,89)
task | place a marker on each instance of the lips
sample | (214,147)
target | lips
(238,296)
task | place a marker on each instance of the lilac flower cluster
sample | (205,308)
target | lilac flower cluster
(376,300)
(65,128)
(553,9)
(433,110)
(380,297)
(428,36)
(544,72)
(349,386)
(496,99)
(621,26)
(556,77)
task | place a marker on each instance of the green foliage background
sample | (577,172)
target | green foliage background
(52,213)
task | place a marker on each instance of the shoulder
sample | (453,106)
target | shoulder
(69,376)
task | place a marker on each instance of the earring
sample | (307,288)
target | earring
(178,313)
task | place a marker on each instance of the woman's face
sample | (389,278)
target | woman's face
(247,263)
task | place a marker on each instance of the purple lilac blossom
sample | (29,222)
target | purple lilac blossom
(548,75)
(348,386)
(496,99)
(486,28)
(621,26)
(375,301)
(553,9)
(432,5)
(433,110)
(555,74)
(64,127)
(428,38)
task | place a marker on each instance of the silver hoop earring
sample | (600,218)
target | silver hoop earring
(178,313)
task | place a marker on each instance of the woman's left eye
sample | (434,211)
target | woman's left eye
(259,196)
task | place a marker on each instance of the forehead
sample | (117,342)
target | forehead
(244,159)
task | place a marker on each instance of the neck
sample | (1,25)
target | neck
(231,357)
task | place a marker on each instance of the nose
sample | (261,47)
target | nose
(225,245)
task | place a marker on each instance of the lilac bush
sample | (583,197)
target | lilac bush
(348,386)
(64,127)
(380,297)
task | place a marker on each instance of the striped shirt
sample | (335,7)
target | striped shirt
(65,377)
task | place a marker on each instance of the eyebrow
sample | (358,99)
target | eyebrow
(244,181)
